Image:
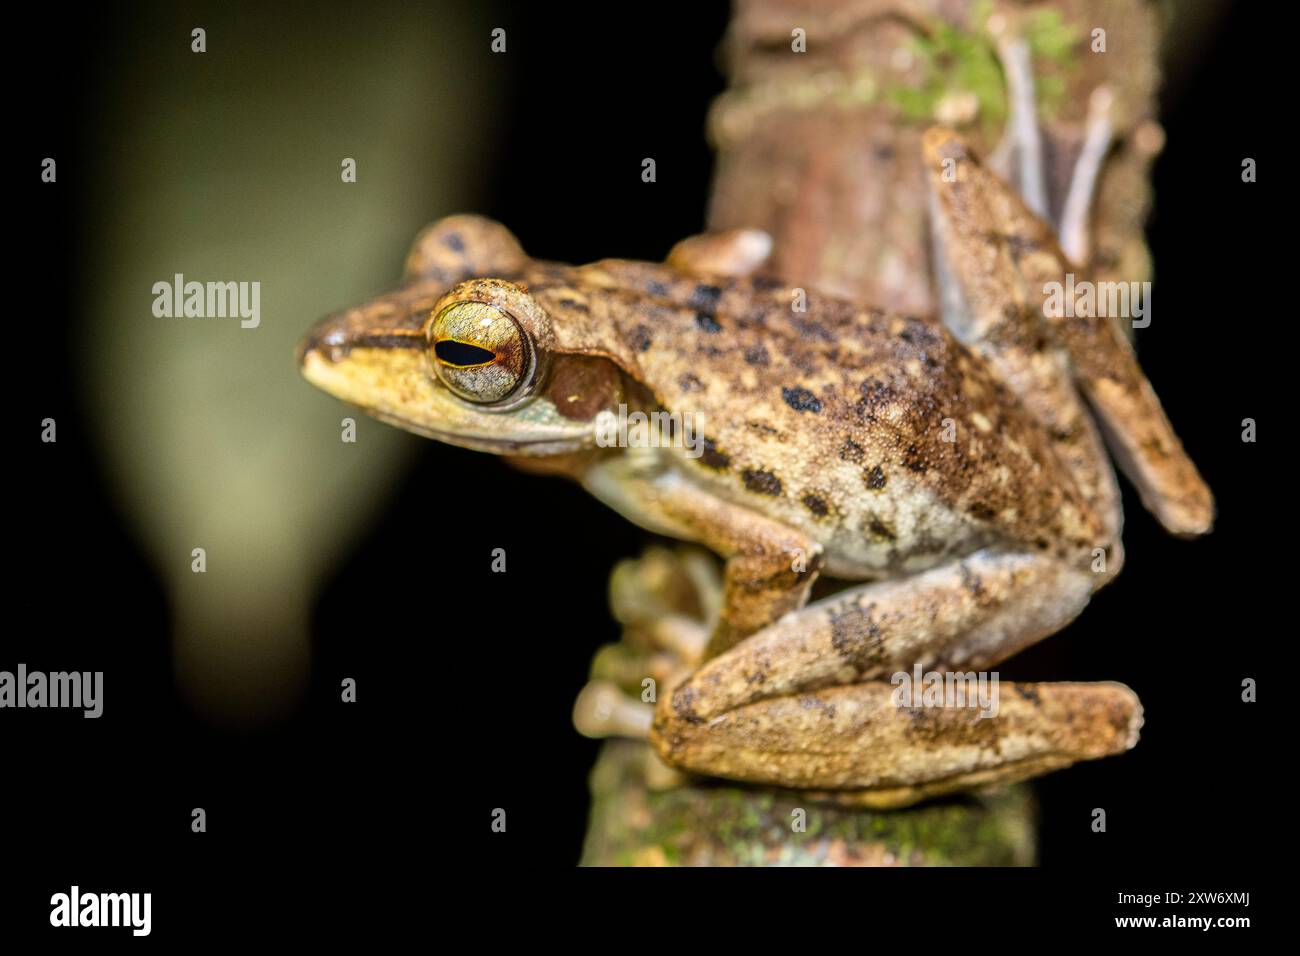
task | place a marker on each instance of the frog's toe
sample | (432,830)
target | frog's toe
(733,252)
(602,710)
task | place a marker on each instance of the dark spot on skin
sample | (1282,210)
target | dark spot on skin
(575,305)
(950,725)
(711,456)
(812,330)
(1028,692)
(762,482)
(690,383)
(757,355)
(876,396)
(981,512)
(656,288)
(920,333)
(857,638)
(806,362)
(811,702)
(705,298)
(454,242)
(851,451)
(801,400)
(880,529)
(707,322)
(684,705)
(1155,446)
(875,478)
(816,505)
(971,581)
(763,428)
(1019,244)
(883,151)
(641,338)
(913,460)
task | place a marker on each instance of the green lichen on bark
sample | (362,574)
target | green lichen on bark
(708,823)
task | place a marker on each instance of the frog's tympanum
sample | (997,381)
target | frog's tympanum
(951,468)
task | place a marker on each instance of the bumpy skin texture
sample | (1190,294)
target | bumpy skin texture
(832,421)
(963,479)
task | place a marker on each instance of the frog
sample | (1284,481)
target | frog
(948,473)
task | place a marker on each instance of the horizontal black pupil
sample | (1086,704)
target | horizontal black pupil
(462,353)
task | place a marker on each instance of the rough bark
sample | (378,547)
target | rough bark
(822,148)
(719,824)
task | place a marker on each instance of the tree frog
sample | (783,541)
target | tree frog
(950,469)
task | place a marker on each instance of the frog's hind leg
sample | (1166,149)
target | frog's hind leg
(808,702)
(987,304)
(666,602)
(1003,280)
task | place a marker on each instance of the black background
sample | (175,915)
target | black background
(465,693)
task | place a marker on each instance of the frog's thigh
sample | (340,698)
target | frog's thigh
(771,710)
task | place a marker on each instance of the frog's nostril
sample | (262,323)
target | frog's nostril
(462,354)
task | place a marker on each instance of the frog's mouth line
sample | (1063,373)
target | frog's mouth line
(485,443)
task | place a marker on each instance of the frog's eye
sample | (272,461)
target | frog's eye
(479,351)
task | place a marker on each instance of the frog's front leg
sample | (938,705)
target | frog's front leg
(807,703)
(770,567)
(731,252)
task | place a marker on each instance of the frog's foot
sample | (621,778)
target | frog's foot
(1019,157)
(734,252)
(665,600)
(1076,214)
(602,709)
(813,702)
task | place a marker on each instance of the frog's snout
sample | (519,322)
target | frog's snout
(380,325)
(318,343)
